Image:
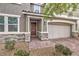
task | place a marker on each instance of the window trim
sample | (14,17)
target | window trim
(6,22)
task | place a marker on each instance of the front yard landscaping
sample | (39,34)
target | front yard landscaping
(49,51)
(63,47)
(58,50)
(47,48)
(20,45)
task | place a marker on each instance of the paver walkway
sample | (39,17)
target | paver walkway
(36,43)
(71,43)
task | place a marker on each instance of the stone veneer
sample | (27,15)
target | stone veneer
(21,36)
(15,36)
(75,35)
(44,36)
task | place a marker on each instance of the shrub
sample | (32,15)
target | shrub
(9,44)
(62,50)
(21,53)
(67,51)
(59,47)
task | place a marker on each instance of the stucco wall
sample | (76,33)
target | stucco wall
(13,8)
(78,25)
(23,23)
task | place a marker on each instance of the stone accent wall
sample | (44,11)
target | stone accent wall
(27,37)
(75,35)
(43,35)
(16,37)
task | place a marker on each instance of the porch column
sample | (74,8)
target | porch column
(44,33)
(73,27)
(28,24)
(42,25)
(27,36)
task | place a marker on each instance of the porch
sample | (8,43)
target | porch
(37,28)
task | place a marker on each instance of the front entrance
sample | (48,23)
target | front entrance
(33,29)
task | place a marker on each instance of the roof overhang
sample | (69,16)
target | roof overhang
(56,16)
(67,17)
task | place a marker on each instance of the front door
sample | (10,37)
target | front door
(33,29)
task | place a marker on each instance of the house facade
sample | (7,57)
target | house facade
(25,21)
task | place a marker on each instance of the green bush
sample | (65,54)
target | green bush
(67,51)
(62,50)
(9,44)
(59,47)
(21,53)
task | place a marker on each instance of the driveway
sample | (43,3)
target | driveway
(71,43)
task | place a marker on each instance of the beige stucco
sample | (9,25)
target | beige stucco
(23,23)
(78,25)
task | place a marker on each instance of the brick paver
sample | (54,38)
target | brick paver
(71,43)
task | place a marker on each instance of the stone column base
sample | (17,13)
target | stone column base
(44,35)
(75,35)
(27,37)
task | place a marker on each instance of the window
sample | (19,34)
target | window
(9,23)
(37,8)
(12,24)
(1,23)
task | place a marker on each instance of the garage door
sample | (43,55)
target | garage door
(58,31)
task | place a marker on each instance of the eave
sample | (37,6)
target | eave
(56,16)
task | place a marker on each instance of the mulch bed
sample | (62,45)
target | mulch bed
(18,45)
(48,51)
